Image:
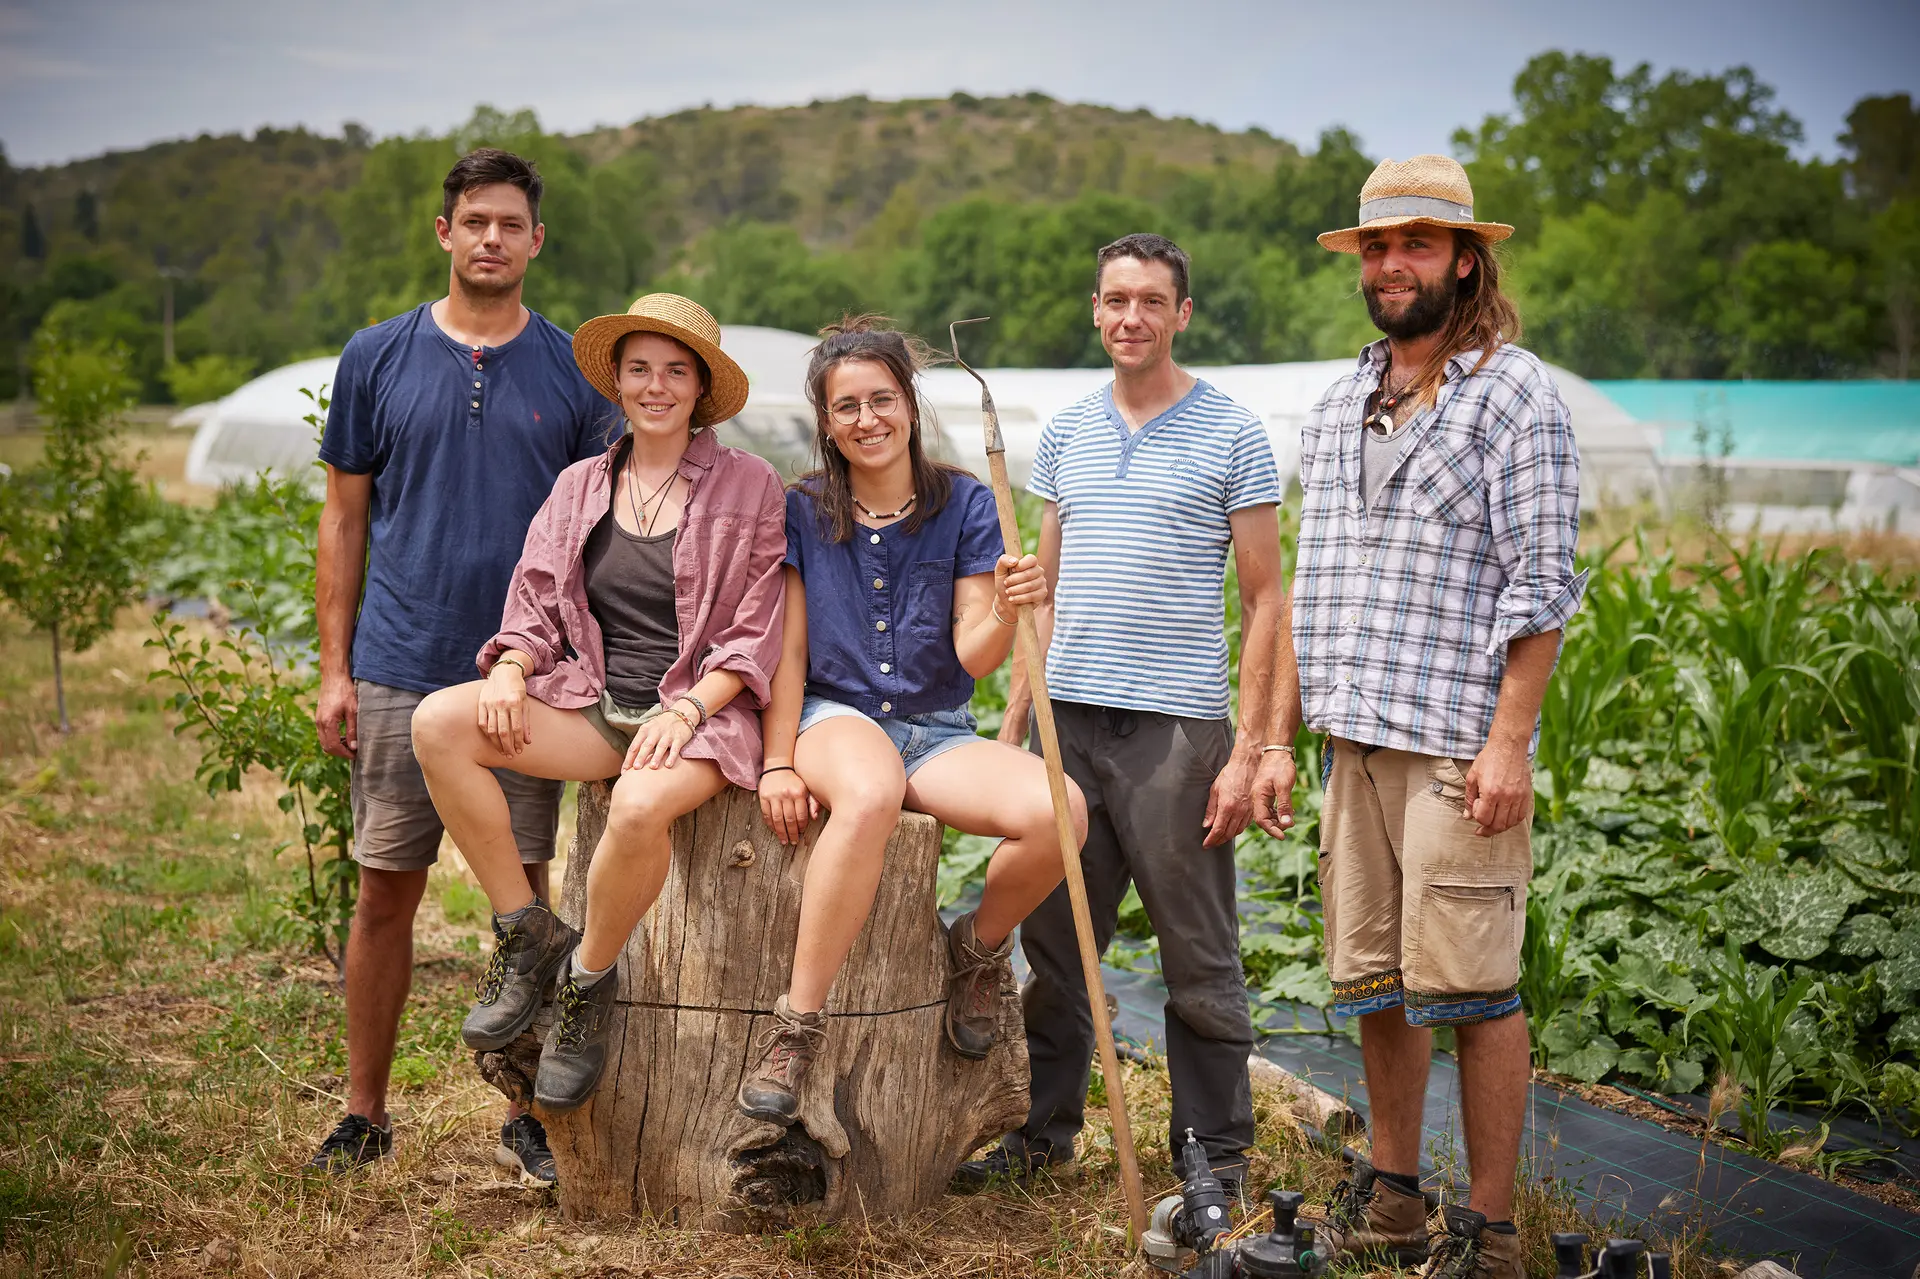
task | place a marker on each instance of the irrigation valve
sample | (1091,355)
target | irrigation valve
(1620,1259)
(1192,1221)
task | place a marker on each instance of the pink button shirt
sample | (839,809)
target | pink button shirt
(727,588)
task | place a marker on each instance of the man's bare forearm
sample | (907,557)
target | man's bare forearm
(1283,721)
(340,562)
(1530,662)
(1257,682)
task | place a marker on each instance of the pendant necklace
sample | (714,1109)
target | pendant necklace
(1380,421)
(645,526)
(887,515)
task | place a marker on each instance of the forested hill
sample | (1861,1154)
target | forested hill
(1666,229)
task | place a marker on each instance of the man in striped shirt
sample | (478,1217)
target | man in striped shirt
(1147,483)
(1440,492)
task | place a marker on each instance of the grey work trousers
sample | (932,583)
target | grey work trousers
(1146,777)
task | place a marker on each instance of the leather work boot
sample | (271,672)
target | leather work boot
(576,1049)
(1374,1220)
(1470,1251)
(526,955)
(1004,1167)
(973,989)
(787,1047)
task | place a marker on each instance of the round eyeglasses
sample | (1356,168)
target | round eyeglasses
(883,404)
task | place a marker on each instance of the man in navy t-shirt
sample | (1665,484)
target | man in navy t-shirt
(446,430)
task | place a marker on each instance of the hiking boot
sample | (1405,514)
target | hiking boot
(523,1152)
(1374,1219)
(353,1143)
(576,1048)
(1004,1167)
(1470,1251)
(526,955)
(973,989)
(787,1047)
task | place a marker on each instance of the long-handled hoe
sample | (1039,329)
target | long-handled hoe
(1030,653)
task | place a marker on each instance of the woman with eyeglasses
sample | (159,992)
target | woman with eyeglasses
(897,598)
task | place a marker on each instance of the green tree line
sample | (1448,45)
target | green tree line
(1666,228)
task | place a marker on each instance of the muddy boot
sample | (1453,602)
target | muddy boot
(787,1047)
(526,954)
(973,989)
(576,1047)
(1471,1251)
(1374,1220)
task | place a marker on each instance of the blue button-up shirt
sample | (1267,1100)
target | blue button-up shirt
(880,607)
(1403,607)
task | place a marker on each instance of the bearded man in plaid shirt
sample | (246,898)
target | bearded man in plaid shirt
(1439,512)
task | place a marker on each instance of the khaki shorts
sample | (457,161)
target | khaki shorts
(395,826)
(616,723)
(1420,912)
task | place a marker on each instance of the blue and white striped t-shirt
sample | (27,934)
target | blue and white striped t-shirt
(1138,616)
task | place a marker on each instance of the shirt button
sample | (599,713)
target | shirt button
(886,706)
(878,583)
(885,667)
(875,538)
(476,384)
(476,404)
(879,626)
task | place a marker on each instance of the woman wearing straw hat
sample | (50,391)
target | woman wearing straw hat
(640,634)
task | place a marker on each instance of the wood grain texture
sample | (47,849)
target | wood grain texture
(888,1109)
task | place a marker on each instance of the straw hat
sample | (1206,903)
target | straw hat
(1427,188)
(684,321)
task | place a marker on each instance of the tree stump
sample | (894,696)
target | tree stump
(888,1109)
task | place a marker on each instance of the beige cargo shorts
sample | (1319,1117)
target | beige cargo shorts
(1420,912)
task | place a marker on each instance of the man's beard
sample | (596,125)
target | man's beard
(489,287)
(1428,311)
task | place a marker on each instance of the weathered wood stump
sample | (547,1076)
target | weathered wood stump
(888,1110)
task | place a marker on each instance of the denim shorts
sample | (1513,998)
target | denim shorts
(918,738)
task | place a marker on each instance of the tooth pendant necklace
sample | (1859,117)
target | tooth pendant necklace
(1380,421)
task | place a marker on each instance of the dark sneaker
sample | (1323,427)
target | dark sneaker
(523,1152)
(526,955)
(354,1143)
(1374,1219)
(1002,1167)
(1470,1251)
(973,989)
(576,1050)
(787,1047)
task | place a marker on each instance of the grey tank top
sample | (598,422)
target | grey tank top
(630,591)
(1377,456)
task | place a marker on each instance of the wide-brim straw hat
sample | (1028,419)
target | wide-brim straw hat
(683,320)
(1428,188)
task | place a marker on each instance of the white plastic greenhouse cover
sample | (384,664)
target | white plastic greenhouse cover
(261,425)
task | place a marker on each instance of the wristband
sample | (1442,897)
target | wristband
(996,613)
(779,768)
(1287,749)
(691,726)
(697,705)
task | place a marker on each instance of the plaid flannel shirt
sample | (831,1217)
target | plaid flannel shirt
(1402,611)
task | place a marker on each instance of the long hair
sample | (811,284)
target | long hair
(867,337)
(1483,318)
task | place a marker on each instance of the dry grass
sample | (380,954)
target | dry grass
(170,1058)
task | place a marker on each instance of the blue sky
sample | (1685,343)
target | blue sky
(81,76)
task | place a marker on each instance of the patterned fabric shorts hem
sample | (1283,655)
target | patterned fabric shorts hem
(1368,994)
(1458,1010)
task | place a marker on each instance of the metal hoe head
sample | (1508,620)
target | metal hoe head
(990,418)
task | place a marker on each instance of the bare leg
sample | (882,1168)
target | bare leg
(630,864)
(991,788)
(379,975)
(455,756)
(854,770)
(1494,1070)
(1396,1057)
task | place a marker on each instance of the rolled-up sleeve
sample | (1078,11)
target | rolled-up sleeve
(749,644)
(530,621)
(1533,508)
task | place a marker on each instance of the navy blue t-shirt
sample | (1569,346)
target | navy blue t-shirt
(463,447)
(880,607)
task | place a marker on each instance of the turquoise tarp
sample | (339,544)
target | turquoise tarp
(1812,421)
